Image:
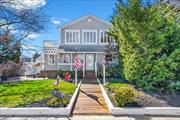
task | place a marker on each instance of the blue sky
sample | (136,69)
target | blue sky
(63,11)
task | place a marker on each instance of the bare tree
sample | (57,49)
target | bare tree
(17,22)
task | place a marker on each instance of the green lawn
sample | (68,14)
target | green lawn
(26,92)
(115,83)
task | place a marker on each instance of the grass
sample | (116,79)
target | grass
(115,83)
(18,94)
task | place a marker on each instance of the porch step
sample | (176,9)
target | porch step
(90,74)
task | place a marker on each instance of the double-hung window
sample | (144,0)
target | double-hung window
(89,36)
(72,36)
(104,37)
(51,60)
(66,58)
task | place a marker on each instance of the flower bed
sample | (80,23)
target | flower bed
(123,94)
(129,108)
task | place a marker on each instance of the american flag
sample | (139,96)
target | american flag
(77,62)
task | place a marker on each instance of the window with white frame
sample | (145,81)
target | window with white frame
(89,36)
(51,60)
(66,58)
(72,36)
(104,37)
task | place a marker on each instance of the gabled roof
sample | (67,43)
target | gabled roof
(83,18)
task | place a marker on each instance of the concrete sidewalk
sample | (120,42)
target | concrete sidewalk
(93,118)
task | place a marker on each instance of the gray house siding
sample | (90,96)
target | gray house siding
(48,66)
(84,24)
(91,54)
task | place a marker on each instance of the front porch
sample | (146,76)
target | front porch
(89,61)
(61,60)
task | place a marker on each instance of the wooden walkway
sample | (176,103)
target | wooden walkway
(90,100)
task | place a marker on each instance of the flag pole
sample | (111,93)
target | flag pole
(76,76)
(76,70)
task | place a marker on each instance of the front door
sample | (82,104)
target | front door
(89,61)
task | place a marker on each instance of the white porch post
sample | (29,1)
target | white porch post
(104,70)
(84,66)
(58,61)
(43,61)
(71,62)
(96,64)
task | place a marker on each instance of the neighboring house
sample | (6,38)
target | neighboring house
(174,3)
(29,67)
(87,37)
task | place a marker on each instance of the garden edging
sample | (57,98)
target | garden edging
(169,111)
(42,110)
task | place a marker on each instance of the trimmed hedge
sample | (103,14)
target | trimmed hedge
(124,96)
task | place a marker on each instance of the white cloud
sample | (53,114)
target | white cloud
(30,49)
(33,36)
(65,19)
(23,4)
(58,21)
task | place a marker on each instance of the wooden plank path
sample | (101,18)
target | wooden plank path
(90,100)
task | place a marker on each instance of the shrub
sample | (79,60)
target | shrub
(175,86)
(9,69)
(53,102)
(112,71)
(72,73)
(57,102)
(148,38)
(124,96)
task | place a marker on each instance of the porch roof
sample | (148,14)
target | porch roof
(83,48)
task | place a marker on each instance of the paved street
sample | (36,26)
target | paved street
(93,118)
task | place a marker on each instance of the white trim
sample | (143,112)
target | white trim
(84,60)
(65,63)
(103,30)
(54,59)
(71,62)
(85,17)
(81,52)
(89,30)
(72,31)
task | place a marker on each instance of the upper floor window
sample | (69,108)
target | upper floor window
(72,36)
(89,36)
(104,37)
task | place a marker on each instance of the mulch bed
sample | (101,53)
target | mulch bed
(152,100)
(42,103)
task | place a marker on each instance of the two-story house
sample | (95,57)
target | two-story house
(87,37)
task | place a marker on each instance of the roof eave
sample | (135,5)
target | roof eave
(82,18)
